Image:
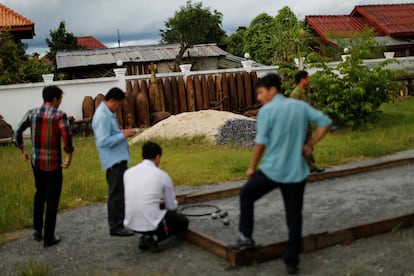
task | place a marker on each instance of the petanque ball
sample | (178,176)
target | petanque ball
(226,221)
(223,214)
(214,216)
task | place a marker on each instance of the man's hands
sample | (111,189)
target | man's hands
(307,150)
(66,163)
(26,157)
(129,132)
(250,172)
(162,204)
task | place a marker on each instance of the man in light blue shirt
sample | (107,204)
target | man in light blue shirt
(114,154)
(281,131)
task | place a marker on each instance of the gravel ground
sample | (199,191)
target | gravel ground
(87,248)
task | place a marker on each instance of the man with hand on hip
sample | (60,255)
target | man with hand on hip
(113,150)
(281,131)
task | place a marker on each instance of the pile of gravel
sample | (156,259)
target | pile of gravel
(220,127)
(237,132)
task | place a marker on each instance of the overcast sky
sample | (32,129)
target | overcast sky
(139,21)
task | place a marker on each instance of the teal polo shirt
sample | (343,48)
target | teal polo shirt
(281,127)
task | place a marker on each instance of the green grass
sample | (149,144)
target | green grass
(394,132)
(191,162)
(33,269)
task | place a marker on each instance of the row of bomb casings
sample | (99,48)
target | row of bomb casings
(148,102)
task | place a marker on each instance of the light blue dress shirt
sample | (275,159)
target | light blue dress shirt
(110,141)
(281,127)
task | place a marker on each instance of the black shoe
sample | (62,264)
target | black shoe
(292,270)
(144,242)
(243,244)
(147,242)
(49,243)
(37,235)
(317,170)
(123,232)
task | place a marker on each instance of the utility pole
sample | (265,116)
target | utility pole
(119,38)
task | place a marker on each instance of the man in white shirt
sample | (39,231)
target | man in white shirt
(150,203)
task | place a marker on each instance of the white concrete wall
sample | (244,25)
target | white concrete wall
(15,100)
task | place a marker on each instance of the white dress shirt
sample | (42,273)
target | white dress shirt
(145,184)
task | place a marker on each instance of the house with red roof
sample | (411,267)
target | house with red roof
(19,26)
(393,26)
(90,43)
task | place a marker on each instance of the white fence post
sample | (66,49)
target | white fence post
(120,74)
(48,78)
(247,65)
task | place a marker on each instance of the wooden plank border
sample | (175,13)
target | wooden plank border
(225,193)
(310,243)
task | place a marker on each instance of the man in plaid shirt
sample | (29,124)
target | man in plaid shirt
(47,125)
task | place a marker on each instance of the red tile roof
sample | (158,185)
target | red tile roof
(396,20)
(89,42)
(343,25)
(14,22)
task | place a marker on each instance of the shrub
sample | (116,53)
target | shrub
(351,93)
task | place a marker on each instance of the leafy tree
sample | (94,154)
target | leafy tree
(60,39)
(35,68)
(273,40)
(192,24)
(12,58)
(235,42)
(259,34)
(15,66)
(351,93)
(290,38)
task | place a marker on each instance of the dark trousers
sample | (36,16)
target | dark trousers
(116,203)
(310,160)
(48,189)
(172,224)
(292,194)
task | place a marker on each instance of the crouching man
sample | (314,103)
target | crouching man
(150,204)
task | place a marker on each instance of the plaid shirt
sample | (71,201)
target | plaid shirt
(47,124)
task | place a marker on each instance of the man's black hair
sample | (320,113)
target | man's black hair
(150,150)
(51,92)
(270,80)
(116,94)
(301,75)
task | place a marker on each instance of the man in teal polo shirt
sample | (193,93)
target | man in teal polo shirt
(281,131)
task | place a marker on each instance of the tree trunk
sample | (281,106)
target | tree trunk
(179,57)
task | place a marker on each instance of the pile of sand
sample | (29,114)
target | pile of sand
(208,123)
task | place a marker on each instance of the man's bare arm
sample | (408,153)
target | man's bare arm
(317,136)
